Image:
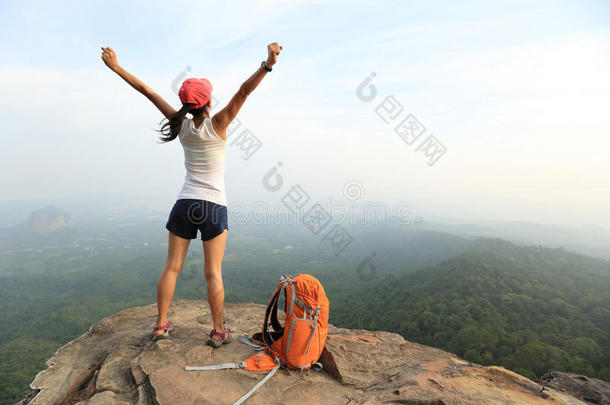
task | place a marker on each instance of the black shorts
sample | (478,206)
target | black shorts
(188,215)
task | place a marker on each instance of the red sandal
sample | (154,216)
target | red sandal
(226,337)
(167,328)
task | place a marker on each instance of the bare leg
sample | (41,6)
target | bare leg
(176,253)
(214,251)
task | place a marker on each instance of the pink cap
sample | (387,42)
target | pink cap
(195,91)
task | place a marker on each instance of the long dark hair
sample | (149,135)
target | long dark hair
(171,128)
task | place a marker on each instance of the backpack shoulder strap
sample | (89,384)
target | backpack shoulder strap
(266,336)
(257,386)
(274,322)
(221,366)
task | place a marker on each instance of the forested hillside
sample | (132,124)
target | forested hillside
(528,309)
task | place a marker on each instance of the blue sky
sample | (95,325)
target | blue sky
(516,91)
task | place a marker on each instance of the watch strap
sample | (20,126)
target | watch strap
(266,67)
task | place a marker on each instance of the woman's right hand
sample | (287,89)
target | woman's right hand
(273,50)
(109,58)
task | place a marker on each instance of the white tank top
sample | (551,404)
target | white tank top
(204,160)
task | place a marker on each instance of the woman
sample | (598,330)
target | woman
(201,204)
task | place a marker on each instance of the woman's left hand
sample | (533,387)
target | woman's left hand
(109,58)
(273,50)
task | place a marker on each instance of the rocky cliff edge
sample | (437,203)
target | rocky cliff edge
(115,362)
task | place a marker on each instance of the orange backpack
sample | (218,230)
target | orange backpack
(296,345)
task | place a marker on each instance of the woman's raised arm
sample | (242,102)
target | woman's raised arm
(223,118)
(110,59)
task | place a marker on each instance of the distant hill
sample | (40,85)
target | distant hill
(528,309)
(591,240)
(47,219)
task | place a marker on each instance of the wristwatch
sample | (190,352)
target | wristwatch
(265,66)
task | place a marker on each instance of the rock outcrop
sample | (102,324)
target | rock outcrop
(115,362)
(591,390)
